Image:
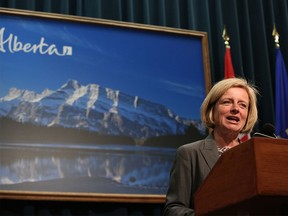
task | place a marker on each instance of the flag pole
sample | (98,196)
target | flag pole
(281,90)
(228,66)
(276,36)
(225,37)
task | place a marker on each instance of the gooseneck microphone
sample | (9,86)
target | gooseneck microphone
(267,130)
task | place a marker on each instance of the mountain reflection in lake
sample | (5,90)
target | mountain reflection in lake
(85,168)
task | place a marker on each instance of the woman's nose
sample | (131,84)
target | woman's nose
(235,108)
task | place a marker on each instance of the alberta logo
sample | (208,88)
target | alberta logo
(12,44)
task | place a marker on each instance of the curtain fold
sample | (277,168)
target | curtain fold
(245,39)
(161,13)
(249,25)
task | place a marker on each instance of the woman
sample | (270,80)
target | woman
(229,108)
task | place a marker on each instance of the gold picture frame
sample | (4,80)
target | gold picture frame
(39,48)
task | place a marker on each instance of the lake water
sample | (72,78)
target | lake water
(85,168)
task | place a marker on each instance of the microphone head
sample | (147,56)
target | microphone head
(268,129)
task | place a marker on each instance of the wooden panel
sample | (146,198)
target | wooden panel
(248,171)
(272,166)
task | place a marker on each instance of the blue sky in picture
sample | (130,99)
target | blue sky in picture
(161,67)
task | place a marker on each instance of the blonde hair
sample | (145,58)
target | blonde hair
(218,90)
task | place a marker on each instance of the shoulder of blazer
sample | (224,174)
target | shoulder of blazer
(200,146)
(208,143)
(206,147)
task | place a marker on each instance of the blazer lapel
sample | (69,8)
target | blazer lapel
(209,151)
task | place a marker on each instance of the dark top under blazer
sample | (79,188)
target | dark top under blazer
(192,164)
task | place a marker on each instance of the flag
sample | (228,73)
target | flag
(281,96)
(229,73)
(244,137)
(228,66)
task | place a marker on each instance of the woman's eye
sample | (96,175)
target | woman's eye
(226,102)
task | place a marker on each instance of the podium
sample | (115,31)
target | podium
(249,179)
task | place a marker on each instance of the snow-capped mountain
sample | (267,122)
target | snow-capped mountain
(92,108)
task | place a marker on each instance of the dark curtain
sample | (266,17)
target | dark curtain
(249,24)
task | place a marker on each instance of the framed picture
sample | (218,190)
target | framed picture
(94,109)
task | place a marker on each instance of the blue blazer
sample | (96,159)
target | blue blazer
(191,166)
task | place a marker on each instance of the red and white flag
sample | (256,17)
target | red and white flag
(229,73)
(228,66)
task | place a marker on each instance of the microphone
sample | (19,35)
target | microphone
(267,130)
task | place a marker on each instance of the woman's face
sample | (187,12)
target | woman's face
(231,110)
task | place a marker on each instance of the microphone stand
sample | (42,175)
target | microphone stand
(257,134)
